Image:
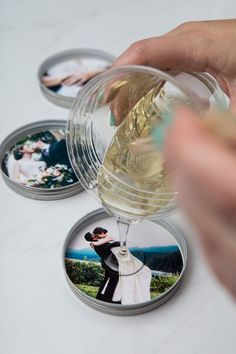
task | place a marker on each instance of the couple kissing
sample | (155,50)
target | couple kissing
(115,287)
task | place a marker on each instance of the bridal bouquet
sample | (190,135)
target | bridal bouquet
(52,177)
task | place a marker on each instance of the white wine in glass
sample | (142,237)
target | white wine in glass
(130,185)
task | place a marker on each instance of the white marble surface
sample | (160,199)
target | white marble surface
(39,314)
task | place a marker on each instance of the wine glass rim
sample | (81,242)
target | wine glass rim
(163,75)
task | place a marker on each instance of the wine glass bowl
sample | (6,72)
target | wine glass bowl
(125,186)
(110,113)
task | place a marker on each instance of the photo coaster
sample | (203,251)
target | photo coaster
(35,162)
(159,246)
(63,75)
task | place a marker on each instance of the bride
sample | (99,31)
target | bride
(24,167)
(133,288)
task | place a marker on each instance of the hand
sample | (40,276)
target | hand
(123,95)
(195,46)
(203,171)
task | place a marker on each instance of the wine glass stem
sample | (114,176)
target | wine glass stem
(123,227)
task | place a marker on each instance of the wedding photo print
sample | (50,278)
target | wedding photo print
(68,77)
(40,160)
(153,256)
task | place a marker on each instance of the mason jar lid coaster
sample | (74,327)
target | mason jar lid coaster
(35,162)
(62,75)
(159,245)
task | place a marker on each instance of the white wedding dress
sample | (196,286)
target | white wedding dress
(27,169)
(133,288)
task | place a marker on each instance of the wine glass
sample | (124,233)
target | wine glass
(109,114)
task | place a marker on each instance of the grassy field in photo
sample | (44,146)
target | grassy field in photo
(158,286)
(87,276)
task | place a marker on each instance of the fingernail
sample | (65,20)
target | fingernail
(158,135)
(159,131)
(100,96)
(112,120)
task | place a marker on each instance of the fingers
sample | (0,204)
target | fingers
(217,235)
(232,89)
(124,94)
(200,157)
(203,173)
(194,46)
(175,51)
(111,92)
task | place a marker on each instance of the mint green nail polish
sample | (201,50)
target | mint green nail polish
(112,120)
(100,96)
(158,134)
(159,131)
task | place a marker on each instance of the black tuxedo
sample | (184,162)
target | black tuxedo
(111,276)
(56,153)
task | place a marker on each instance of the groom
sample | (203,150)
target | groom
(102,243)
(55,153)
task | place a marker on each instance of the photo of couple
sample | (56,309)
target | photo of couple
(151,270)
(68,77)
(40,160)
(116,286)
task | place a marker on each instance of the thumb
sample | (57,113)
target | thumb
(185,131)
(195,155)
(232,105)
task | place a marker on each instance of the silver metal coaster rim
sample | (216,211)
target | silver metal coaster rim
(32,192)
(117,309)
(53,97)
